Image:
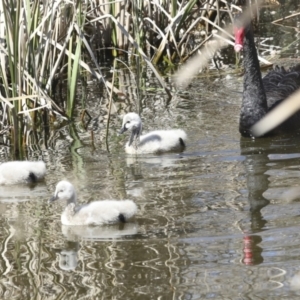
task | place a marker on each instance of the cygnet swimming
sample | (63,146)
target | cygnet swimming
(158,141)
(94,213)
(14,172)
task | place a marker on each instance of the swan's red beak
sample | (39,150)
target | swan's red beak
(239,38)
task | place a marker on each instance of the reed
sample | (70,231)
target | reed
(43,42)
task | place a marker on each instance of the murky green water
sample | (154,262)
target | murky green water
(219,221)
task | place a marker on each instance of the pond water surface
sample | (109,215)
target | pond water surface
(218,221)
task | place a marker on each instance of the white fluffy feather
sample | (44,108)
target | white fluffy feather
(14,172)
(157,141)
(94,213)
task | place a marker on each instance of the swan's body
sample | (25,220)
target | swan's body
(14,172)
(158,141)
(94,213)
(260,95)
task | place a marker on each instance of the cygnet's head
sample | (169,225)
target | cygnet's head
(64,191)
(132,122)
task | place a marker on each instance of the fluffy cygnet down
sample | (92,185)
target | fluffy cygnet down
(158,141)
(94,213)
(14,172)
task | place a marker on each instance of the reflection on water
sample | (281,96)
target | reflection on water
(95,233)
(68,256)
(217,221)
(20,193)
(213,222)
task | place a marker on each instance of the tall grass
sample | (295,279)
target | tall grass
(43,42)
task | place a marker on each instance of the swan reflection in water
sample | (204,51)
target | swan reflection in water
(68,257)
(22,192)
(99,233)
(266,164)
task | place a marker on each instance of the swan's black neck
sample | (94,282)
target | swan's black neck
(254,104)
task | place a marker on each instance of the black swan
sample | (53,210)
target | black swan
(260,95)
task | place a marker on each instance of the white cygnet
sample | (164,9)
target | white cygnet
(14,172)
(158,141)
(94,213)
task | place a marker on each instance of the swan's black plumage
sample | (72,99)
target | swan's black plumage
(260,95)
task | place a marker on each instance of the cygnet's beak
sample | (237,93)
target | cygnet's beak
(52,199)
(122,130)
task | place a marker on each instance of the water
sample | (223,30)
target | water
(218,221)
